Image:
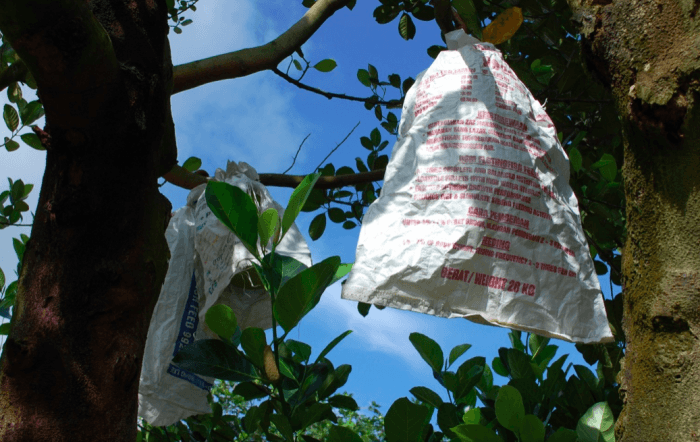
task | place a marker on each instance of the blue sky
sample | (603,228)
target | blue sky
(261,119)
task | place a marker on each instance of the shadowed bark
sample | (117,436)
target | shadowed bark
(647,52)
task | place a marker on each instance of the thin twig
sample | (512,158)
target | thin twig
(373,99)
(336,147)
(297,154)
(15,225)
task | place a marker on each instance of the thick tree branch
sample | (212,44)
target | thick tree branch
(251,60)
(65,74)
(187,180)
(329,95)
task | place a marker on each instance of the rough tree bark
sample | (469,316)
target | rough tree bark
(648,53)
(97,257)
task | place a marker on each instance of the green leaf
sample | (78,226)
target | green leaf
(532,429)
(192,164)
(253,342)
(302,292)
(317,226)
(486,382)
(336,215)
(17,191)
(282,424)
(476,433)
(600,268)
(363,308)
(332,345)
(338,433)
(427,395)
(268,223)
(326,65)
(351,4)
(297,200)
(378,112)
(456,352)
(563,435)
(308,3)
(447,418)
(347,225)
(435,50)
(395,80)
(468,375)
(519,365)
(536,342)
(11,118)
(607,166)
(375,137)
(575,158)
(343,401)
(177,30)
(11,145)
(14,92)
(249,390)
(2,280)
(214,358)
(404,421)
(301,349)
(407,29)
(472,417)
(280,268)
(363,76)
(428,349)
(366,143)
(186,22)
(467,11)
(236,210)
(221,320)
(32,141)
(5,329)
(510,410)
(297,64)
(596,424)
(31,112)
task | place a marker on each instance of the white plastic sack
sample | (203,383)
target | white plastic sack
(476,218)
(208,266)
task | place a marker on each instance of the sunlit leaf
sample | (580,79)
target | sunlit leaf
(504,26)
(326,65)
(192,164)
(407,29)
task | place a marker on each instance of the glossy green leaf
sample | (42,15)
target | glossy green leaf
(301,350)
(448,417)
(404,421)
(575,158)
(428,349)
(456,352)
(472,416)
(32,141)
(214,358)
(283,426)
(519,365)
(253,342)
(476,433)
(192,164)
(302,292)
(468,375)
(597,424)
(326,65)
(268,223)
(344,402)
(532,429)
(11,118)
(363,76)
(31,112)
(467,11)
(221,320)
(297,201)
(236,210)
(338,433)
(407,29)
(486,382)
(280,268)
(510,411)
(317,226)
(607,166)
(536,342)
(250,390)
(332,345)
(11,145)
(427,395)
(563,435)
(14,92)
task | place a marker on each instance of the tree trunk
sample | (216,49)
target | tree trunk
(648,53)
(97,256)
